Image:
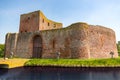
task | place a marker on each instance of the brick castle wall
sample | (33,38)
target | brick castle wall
(102,41)
(36,21)
(79,40)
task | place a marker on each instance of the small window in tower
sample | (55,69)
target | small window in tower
(25,30)
(28,18)
(43,21)
(48,24)
(54,25)
(53,43)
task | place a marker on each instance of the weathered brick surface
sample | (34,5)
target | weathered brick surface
(76,41)
(36,21)
(79,40)
(102,41)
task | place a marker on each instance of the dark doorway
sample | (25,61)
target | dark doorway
(37,47)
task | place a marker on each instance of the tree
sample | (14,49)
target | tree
(2,46)
(118,47)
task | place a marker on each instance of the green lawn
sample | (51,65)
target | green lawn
(115,62)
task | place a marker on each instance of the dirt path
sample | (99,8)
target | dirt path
(13,62)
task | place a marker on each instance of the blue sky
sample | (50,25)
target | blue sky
(95,12)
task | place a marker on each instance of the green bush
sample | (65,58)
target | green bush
(119,53)
(2,50)
(118,47)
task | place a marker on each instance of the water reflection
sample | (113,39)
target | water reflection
(3,71)
(38,74)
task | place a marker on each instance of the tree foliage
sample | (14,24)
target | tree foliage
(2,46)
(118,47)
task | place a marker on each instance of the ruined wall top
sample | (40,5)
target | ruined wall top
(36,21)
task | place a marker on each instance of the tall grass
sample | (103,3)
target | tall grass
(115,62)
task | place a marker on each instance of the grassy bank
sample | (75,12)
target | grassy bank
(15,62)
(75,62)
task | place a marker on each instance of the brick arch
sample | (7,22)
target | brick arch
(36,46)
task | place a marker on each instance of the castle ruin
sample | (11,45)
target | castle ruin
(40,37)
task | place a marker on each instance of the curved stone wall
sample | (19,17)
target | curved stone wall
(102,41)
(79,40)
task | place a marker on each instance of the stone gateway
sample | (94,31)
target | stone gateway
(40,37)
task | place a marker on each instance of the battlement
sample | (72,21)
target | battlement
(36,21)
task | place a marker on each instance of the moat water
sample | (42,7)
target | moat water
(37,73)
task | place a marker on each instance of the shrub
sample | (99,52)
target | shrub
(2,50)
(118,47)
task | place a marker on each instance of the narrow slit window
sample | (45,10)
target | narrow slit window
(25,30)
(54,25)
(48,24)
(53,43)
(28,18)
(43,21)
